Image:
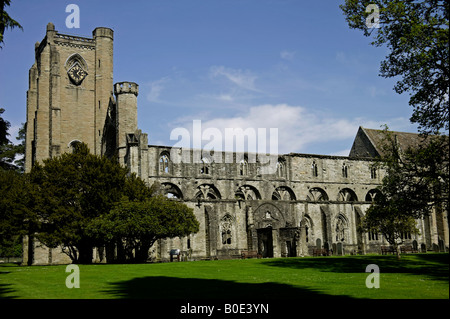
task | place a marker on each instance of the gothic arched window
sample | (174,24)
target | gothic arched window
(74,145)
(226,225)
(205,166)
(341,227)
(243,167)
(281,168)
(164,163)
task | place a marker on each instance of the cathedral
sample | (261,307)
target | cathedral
(308,204)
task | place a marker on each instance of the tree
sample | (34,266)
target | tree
(5,160)
(74,189)
(417,36)
(19,149)
(136,225)
(11,212)
(417,175)
(385,219)
(386,216)
(416,181)
(9,151)
(4,127)
(6,21)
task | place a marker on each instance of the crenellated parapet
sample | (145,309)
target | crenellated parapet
(126,87)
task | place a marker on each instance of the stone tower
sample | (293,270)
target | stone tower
(70,89)
(126,117)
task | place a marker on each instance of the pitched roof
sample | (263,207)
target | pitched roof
(404,139)
(369,142)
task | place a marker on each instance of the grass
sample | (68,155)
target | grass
(417,276)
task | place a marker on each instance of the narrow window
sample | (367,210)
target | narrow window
(314,169)
(280,169)
(205,166)
(243,168)
(373,173)
(164,163)
(344,171)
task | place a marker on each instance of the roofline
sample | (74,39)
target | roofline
(281,155)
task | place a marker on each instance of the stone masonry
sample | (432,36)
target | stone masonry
(310,202)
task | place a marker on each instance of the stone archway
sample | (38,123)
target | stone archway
(265,242)
(268,230)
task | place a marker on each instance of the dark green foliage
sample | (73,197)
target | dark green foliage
(416,34)
(84,201)
(72,190)
(416,181)
(137,225)
(16,216)
(6,22)
(9,151)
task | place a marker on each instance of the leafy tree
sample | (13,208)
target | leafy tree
(417,36)
(416,181)
(6,21)
(11,194)
(9,151)
(19,149)
(136,225)
(5,161)
(417,175)
(4,127)
(386,216)
(17,217)
(72,190)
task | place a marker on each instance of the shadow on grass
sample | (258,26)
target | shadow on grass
(5,288)
(162,287)
(436,266)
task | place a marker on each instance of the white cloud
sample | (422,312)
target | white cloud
(299,128)
(341,153)
(287,55)
(156,88)
(243,79)
(13,133)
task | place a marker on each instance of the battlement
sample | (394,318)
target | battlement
(126,87)
(103,32)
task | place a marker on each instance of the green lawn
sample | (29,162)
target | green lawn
(416,276)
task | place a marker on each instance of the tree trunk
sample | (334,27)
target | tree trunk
(141,253)
(397,251)
(85,254)
(110,252)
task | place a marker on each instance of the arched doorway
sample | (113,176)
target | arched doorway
(268,221)
(265,242)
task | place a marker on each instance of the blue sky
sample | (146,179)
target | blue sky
(290,64)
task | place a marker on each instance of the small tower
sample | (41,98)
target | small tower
(126,115)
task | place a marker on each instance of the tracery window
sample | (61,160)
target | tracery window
(164,163)
(243,167)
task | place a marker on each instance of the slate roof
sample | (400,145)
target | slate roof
(404,139)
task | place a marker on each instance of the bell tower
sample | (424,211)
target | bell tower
(70,88)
